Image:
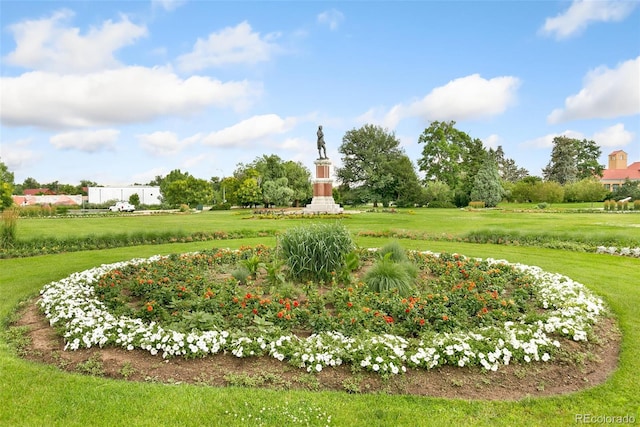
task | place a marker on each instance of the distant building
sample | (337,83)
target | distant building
(618,171)
(49,199)
(38,192)
(148,195)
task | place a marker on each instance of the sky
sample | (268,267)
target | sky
(119,92)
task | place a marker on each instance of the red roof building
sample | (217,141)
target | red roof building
(618,171)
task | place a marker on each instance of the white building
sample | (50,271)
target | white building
(148,195)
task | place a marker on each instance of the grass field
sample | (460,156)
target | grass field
(34,395)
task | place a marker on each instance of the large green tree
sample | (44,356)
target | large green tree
(299,181)
(486,185)
(451,156)
(366,153)
(587,155)
(178,188)
(562,165)
(6,186)
(508,169)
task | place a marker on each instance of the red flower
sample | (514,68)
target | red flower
(149,307)
(280,314)
(421,322)
(248,296)
(296,303)
(349,304)
(255,311)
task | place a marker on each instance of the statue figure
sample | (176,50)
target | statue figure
(321,145)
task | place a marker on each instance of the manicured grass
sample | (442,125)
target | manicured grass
(456,222)
(37,395)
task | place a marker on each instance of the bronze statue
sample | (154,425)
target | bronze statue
(321,145)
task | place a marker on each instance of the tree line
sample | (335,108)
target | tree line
(456,168)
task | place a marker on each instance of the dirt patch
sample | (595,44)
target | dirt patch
(581,365)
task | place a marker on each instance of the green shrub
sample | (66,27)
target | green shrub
(386,275)
(241,274)
(477,205)
(394,251)
(636,205)
(314,252)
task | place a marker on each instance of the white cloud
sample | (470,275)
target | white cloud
(581,13)
(125,95)
(492,141)
(465,98)
(165,143)
(86,140)
(168,5)
(149,175)
(255,128)
(546,141)
(17,155)
(614,136)
(332,17)
(47,44)
(231,45)
(607,93)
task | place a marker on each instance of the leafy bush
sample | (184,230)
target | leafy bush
(314,252)
(477,205)
(387,275)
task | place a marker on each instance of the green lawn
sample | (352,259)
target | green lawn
(36,395)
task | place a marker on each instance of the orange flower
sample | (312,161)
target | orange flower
(445,317)
(349,304)
(149,307)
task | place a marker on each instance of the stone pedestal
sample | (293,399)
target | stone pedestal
(322,201)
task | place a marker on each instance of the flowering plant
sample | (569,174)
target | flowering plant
(464,311)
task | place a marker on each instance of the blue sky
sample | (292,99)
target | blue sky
(118,92)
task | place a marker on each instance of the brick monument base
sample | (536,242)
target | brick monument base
(322,201)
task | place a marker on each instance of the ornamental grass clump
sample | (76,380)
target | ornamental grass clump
(313,253)
(387,275)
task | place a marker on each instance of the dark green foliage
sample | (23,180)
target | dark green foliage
(486,185)
(315,252)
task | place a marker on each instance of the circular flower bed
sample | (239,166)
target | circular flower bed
(461,311)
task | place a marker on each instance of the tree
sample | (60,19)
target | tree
(134,199)
(486,185)
(249,193)
(440,192)
(563,166)
(406,188)
(442,152)
(179,188)
(628,189)
(30,183)
(507,167)
(299,181)
(365,154)
(276,192)
(587,155)
(6,186)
